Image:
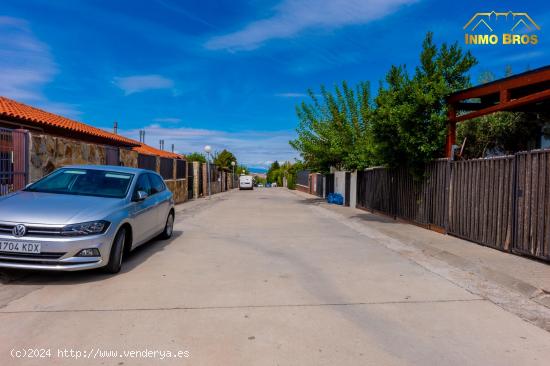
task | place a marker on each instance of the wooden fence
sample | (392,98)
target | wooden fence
(396,193)
(481,204)
(501,202)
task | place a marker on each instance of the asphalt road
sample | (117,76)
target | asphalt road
(259,278)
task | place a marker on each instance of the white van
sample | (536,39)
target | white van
(246,182)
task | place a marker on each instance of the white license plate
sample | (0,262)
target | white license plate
(19,247)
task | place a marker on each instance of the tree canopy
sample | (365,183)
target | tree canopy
(196,157)
(405,125)
(333,128)
(224,158)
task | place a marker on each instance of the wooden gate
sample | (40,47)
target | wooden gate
(112,155)
(532,204)
(481,201)
(190,180)
(201,180)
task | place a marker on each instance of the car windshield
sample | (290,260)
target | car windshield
(84,182)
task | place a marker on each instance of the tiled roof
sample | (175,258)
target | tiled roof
(149,150)
(13,109)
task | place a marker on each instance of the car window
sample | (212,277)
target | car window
(157,183)
(86,182)
(143,184)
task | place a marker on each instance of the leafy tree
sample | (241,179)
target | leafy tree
(241,169)
(406,126)
(274,172)
(196,157)
(224,158)
(409,124)
(259,180)
(501,133)
(334,128)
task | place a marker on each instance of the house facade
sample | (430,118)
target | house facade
(34,142)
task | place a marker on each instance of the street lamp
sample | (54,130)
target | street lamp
(208,150)
(233,174)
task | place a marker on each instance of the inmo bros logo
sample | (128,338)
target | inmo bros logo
(507,28)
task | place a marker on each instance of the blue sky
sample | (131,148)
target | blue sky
(225,73)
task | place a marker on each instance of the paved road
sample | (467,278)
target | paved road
(263,278)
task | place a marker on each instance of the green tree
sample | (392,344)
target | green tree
(273,172)
(409,123)
(333,129)
(241,169)
(501,133)
(196,157)
(224,158)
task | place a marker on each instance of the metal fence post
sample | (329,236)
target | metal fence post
(20,159)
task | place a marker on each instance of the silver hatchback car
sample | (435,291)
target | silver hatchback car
(83,217)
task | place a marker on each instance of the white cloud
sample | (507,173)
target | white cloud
(294,16)
(254,148)
(26,64)
(167,120)
(140,83)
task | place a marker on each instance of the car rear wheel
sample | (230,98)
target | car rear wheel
(169,227)
(117,251)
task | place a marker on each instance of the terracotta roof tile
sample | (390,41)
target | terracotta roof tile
(13,109)
(149,150)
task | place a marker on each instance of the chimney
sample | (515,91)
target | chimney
(172,147)
(161,143)
(142,136)
(115,127)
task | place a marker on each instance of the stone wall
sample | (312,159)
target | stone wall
(128,158)
(47,153)
(178,188)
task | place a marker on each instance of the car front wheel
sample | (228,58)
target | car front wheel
(117,251)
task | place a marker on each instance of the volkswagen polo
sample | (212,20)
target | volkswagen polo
(83,217)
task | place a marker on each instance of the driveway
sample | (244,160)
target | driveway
(260,278)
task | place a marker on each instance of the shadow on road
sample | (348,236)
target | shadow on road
(311,201)
(134,259)
(374,218)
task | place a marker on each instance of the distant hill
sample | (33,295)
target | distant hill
(257,170)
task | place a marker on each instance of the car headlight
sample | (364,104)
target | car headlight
(86,228)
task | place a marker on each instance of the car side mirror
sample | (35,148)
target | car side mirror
(141,196)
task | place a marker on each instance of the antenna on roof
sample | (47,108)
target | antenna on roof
(172,147)
(115,127)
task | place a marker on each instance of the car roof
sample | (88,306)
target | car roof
(112,168)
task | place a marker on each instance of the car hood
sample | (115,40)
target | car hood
(55,209)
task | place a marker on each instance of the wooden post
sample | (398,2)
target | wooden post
(451,131)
